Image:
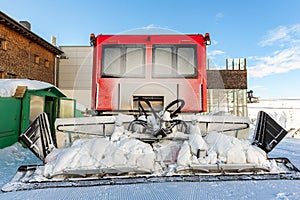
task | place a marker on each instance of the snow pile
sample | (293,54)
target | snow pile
(8,86)
(234,151)
(122,153)
(219,148)
(166,151)
(99,153)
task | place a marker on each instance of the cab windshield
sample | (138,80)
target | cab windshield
(168,61)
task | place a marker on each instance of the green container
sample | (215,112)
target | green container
(16,114)
(10,117)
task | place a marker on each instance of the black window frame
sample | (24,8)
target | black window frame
(123,60)
(175,48)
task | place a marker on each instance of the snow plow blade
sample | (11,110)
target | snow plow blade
(24,178)
(268,133)
(37,137)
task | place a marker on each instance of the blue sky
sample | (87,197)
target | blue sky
(265,32)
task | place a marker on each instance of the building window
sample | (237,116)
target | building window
(36,59)
(10,76)
(3,44)
(2,75)
(47,63)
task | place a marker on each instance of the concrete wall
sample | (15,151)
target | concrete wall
(75,73)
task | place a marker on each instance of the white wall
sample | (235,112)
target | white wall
(75,73)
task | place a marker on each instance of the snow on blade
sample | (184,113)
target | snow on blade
(100,153)
(121,153)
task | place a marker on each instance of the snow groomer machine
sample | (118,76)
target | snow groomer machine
(151,124)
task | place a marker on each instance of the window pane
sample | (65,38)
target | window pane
(36,107)
(162,61)
(2,44)
(66,108)
(47,63)
(186,61)
(112,61)
(36,59)
(134,62)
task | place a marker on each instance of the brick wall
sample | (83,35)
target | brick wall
(18,58)
(226,79)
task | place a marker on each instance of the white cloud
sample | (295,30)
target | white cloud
(281,61)
(278,34)
(259,87)
(219,15)
(215,53)
(286,55)
(214,42)
(282,35)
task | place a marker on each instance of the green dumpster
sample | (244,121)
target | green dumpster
(16,113)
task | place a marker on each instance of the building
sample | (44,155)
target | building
(227,88)
(23,54)
(75,73)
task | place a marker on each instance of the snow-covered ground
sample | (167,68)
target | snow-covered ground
(14,156)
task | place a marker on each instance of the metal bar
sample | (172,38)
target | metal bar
(28,184)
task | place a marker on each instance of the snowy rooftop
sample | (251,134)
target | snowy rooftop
(8,86)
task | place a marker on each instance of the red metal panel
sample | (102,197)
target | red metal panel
(189,88)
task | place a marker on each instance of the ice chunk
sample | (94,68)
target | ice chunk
(235,155)
(114,157)
(212,157)
(220,143)
(195,139)
(256,155)
(195,160)
(154,123)
(167,151)
(184,155)
(119,129)
(138,153)
(118,132)
(166,116)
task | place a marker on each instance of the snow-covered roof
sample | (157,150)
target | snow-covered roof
(8,86)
